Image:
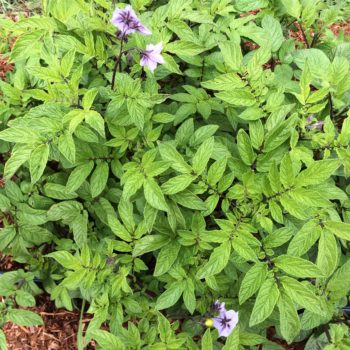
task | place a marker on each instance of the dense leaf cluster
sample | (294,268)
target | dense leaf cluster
(223,175)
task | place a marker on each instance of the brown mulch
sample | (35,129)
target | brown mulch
(59,331)
(60,326)
(336,28)
(5,67)
(342,26)
(271,333)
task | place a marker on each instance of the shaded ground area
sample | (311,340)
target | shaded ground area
(58,333)
(60,326)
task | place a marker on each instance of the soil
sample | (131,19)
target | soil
(58,333)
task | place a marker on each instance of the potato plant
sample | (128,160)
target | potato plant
(162,157)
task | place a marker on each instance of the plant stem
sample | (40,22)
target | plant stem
(331,110)
(118,61)
(80,339)
(304,36)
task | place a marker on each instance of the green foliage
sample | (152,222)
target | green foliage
(223,175)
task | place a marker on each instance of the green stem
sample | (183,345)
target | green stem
(80,339)
(118,62)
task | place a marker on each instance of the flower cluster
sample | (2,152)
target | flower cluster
(127,22)
(225,322)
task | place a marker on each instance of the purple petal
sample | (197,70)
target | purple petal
(143,61)
(151,65)
(226,322)
(158,58)
(158,48)
(233,316)
(217,323)
(219,307)
(127,21)
(151,56)
(226,331)
(129,9)
(143,30)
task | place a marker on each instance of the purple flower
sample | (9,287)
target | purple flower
(314,126)
(309,119)
(127,22)
(226,322)
(151,56)
(219,307)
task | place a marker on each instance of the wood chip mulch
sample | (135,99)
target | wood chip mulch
(59,331)
(5,67)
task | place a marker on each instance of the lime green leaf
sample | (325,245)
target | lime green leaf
(20,154)
(177,184)
(184,48)
(99,179)
(216,171)
(217,261)
(24,299)
(340,229)
(67,62)
(265,302)
(274,31)
(302,295)
(106,340)
(166,258)
(45,73)
(38,160)
(189,200)
(189,296)
(154,195)
(304,239)
(95,120)
(339,284)
(3,342)
(24,318)
(66,259)
(118,229)
(202,156)
(240,97)
(327,258)
(224,82)
(88,99)
(245,148)
(207,341)
(231,51)
(66,146)
(78,176)
(289,319)
(80,227)
(250,339)
(298,267)
(137,112)
(252,281)
(233,341)
(20,135)
(293,7)
(169,153)
(149,244)
(170,296)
